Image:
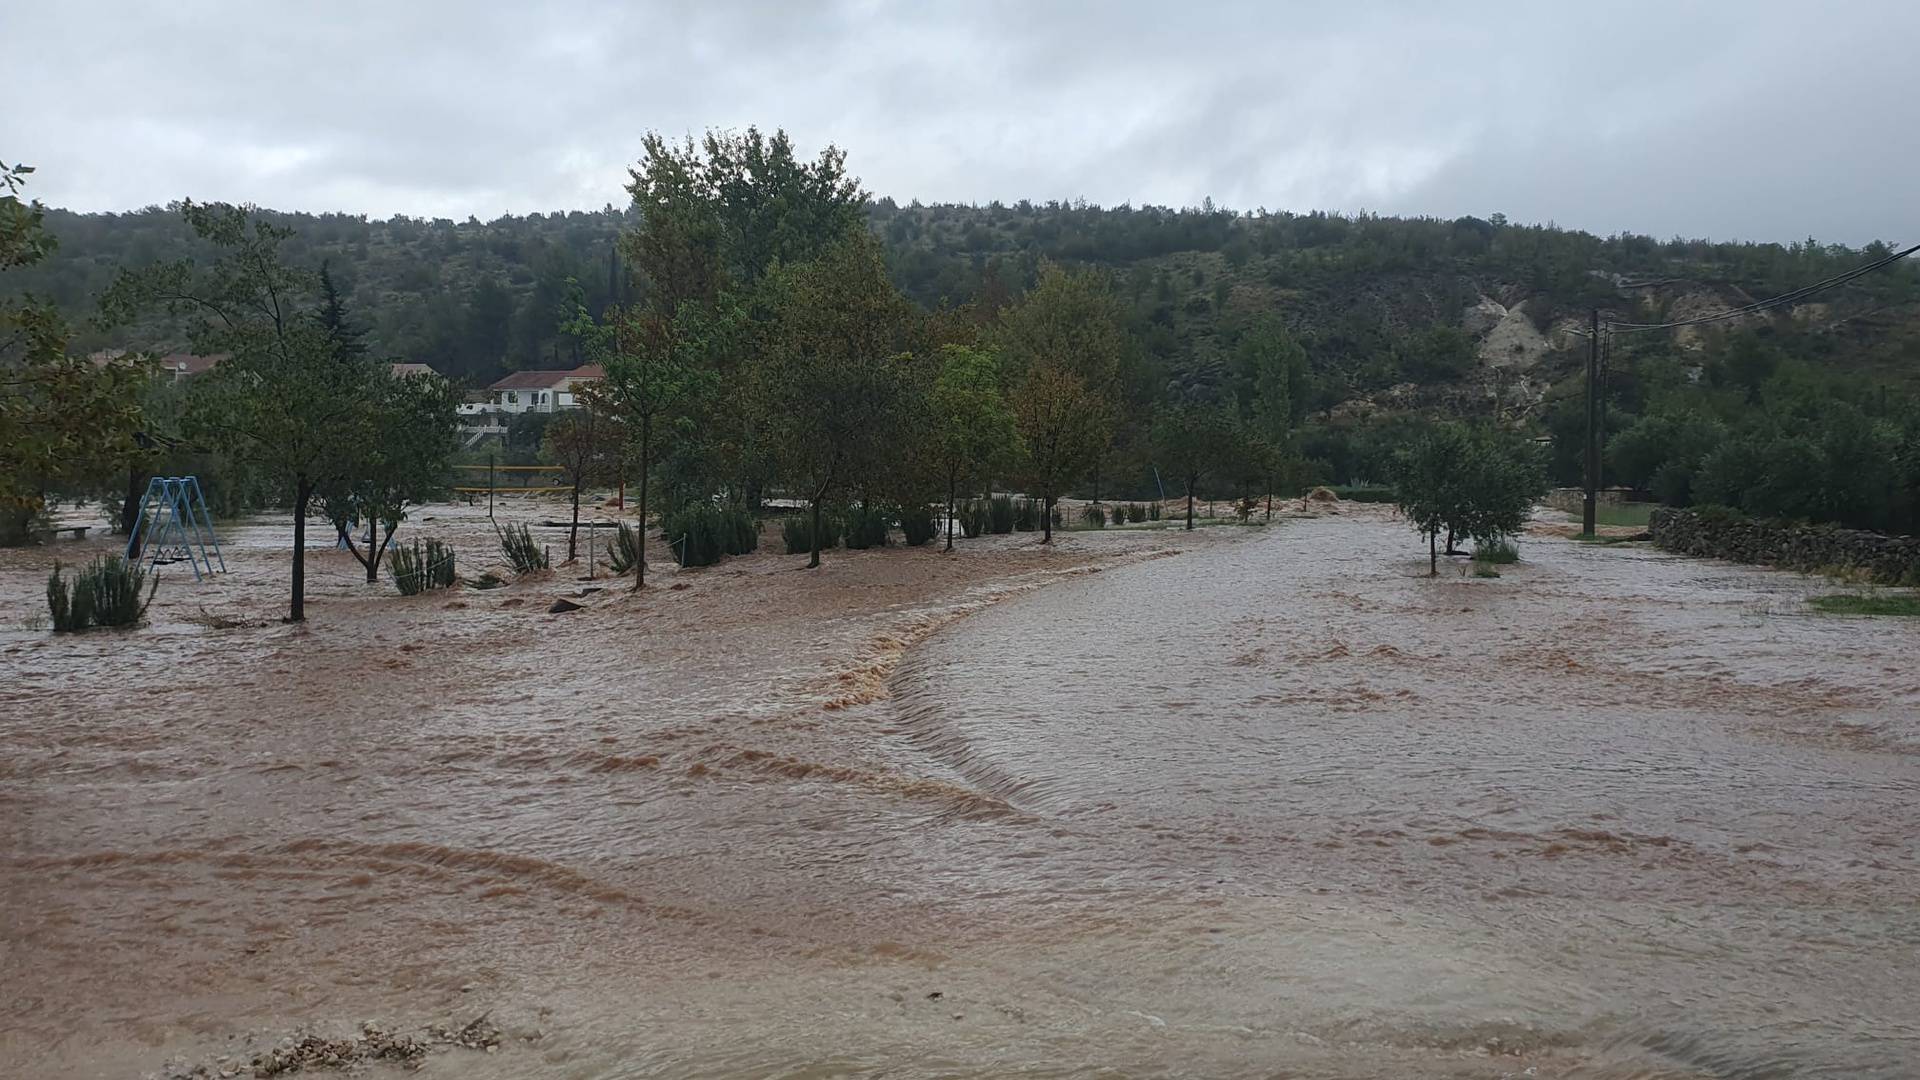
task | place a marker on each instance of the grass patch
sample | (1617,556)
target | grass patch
(1906,604)
(1496,553)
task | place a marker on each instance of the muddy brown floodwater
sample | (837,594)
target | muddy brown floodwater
(1246,802)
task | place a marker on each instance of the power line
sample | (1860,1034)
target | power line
(1762,305)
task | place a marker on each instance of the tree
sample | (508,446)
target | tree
(1062,426)
(281,398)
(1195,439)
(1063,347)
(586,447)
(64,420)
(972,424)
(835,379)
(1271,363)
(344,336)
(650,372)
(410,423)
(1473,482)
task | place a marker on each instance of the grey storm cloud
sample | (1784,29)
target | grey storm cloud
(1754,120)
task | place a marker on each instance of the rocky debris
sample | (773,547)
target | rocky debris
(1483,316)
(1513,342)
(301,1053)
(561,607)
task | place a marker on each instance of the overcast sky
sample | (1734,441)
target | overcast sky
(1751,119)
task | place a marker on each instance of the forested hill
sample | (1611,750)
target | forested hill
(1466,309)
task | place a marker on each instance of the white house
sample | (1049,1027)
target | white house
(541,391)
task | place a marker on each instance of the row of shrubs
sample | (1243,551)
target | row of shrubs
(1002,514)
(702,533)
(1119,514)
(859,527)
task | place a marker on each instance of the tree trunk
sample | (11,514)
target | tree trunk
(1046,516)
(573,531)
(952,484)
(302,491)
(1269,498)
(814,559)
(373,550)
(1433,554)
(640,543)
(1189,505)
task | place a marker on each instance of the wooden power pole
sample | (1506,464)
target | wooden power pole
(1590,505)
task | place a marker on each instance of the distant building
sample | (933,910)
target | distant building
(402,370)
(541,391)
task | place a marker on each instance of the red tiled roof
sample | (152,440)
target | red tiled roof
(531,380)
(546,380)
(398,370)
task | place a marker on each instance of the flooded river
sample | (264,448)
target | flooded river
(1270,804)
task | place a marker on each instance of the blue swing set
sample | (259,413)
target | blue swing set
(174,525)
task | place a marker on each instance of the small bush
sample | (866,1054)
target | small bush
(1496,553)
(1057,517)
(866,528)
(1000,514)
(106,593)
(520,549)
(797,533)
(1026,515)
(1136,513)
(624,549)
(1153,511)
(421,567)
(1095,516)
(975,518)
(701,533)
(916,522)
(1118,513)
(1482,570)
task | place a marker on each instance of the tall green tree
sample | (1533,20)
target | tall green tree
(1062,347)
(971,422)
(1272,363)
(409,425)
(653,370)
(1466,481)
(65,421)
(281,398)
(835,384)
(1193,440)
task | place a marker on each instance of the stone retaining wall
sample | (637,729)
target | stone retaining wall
(1721,534)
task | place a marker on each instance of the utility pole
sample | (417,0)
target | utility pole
(489,485)
(1590,505)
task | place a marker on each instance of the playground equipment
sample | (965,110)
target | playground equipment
(179,529)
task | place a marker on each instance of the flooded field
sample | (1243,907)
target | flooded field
(1245,802)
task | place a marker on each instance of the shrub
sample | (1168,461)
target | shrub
(1057,517)
(1000,514)
(1137,513)
(624,549)
(916,522)
(421,567)
(1495,552)
(106,593)
(975,518)
(1119,513)
(797,533)
(1097,517)
(522,552)
(1153,511)
(1026,515)
(866,528)
(701,533)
